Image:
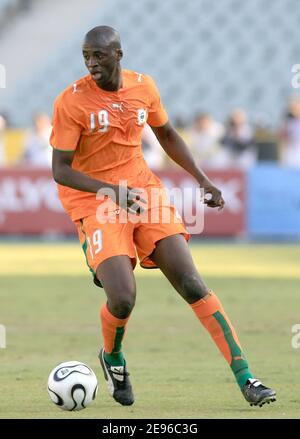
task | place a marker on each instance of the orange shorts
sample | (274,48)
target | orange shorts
(104,239)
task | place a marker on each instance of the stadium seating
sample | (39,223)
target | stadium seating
(4,4)
(7,10)
(204,55)
(8,7)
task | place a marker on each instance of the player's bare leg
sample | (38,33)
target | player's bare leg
(116,276)
(173,257)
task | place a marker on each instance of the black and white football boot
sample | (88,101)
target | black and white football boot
(117,380)
(258,394)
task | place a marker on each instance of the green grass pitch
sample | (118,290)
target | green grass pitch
(50,310)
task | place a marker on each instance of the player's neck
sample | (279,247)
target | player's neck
(114,83)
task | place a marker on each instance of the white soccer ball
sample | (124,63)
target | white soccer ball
(72,385)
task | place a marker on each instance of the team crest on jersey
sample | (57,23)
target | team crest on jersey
(142,116)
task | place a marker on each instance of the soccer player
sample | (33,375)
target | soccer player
(96,140)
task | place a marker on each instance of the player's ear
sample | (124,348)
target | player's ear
(119,54)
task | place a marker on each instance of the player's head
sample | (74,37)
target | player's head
(102,53)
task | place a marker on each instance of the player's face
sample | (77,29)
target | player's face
(101,61)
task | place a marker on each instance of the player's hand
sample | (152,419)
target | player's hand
(212,195)
(130,199)
(134,195)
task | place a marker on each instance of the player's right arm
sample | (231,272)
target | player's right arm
(64,174)
(68,125)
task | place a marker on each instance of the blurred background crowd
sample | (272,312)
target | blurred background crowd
(234,142)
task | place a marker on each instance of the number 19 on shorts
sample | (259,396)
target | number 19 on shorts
(95,243)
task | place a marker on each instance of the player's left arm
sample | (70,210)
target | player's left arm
(178,151)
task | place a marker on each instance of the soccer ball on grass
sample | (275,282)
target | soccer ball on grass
(72,385)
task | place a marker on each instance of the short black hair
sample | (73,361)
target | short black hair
(105,35)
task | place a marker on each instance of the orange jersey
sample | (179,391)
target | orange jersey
(104,129)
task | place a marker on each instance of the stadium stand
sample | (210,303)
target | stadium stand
(7,9)
(206,57)
(5,5)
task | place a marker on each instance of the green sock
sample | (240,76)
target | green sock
(239,364)
(241,371)
(115,359)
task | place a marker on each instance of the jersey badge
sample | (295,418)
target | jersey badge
(142,116)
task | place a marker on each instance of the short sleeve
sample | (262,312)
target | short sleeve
(157,115)
(66,130)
